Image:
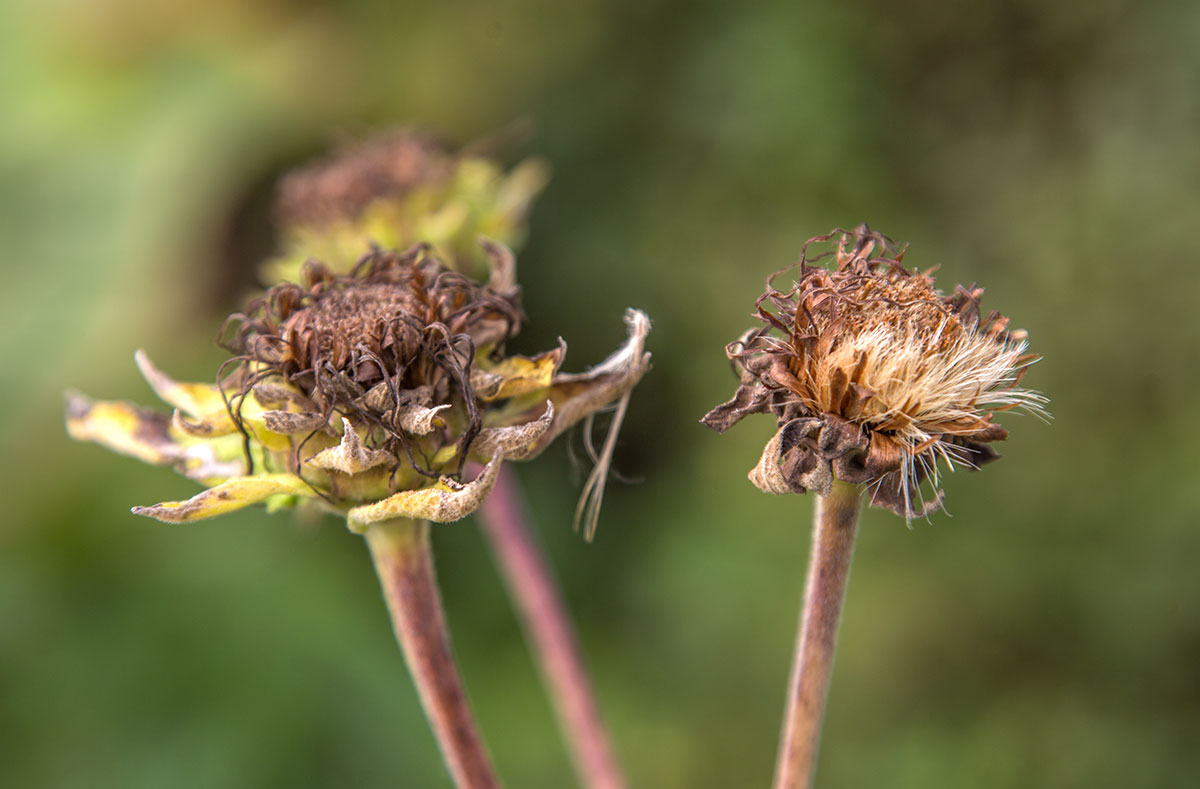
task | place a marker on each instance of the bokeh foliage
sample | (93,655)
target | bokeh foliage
(1046,635)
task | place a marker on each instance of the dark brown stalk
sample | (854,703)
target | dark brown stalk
(825,590)
(404,563)
(547,627)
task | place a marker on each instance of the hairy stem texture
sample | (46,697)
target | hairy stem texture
(404,562)
(548,629)
(825,590)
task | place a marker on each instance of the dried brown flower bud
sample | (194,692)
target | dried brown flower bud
(397,188)
(874,375)
(342,185)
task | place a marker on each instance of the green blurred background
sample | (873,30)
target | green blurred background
(1048,634)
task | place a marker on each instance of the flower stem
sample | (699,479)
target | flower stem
(547,627)
(400,549)
(825,590)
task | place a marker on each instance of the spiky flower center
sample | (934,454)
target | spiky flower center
(883,348)
(403,319)
(399,329)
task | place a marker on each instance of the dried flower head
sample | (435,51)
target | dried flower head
(395,189)
(874,375)
(365,393)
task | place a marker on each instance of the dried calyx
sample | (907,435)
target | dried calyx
(391,345)
(874,375)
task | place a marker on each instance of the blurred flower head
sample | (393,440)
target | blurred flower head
(364,393)
(873,375)
(395,189)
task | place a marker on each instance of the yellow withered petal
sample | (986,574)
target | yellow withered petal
(227,497)
(203,402)
(122,427)
(146,435)
(514,376)
(444,502)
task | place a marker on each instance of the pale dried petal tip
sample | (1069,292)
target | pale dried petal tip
(199,401)
(350,456)
(445,502)
(578,395)
(503,264)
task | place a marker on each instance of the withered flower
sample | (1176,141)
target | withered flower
(874,375)
(364,384)
(364,394)
(395,189)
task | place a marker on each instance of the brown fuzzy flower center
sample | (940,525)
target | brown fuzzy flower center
(360,329)
(399,327)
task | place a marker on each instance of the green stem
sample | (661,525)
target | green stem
(404,563)
(825,590)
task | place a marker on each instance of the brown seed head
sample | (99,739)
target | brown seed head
(873,374)
(400,330)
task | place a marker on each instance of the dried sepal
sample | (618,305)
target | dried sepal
(287,423)
(515,442)
(350,456)
(418,419)
(445,502)
(227,497)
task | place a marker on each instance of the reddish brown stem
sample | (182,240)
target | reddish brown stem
(547,627)
(825,590)
(404,563)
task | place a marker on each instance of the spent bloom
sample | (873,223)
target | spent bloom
(874,375)
(395,189)
(365,393)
